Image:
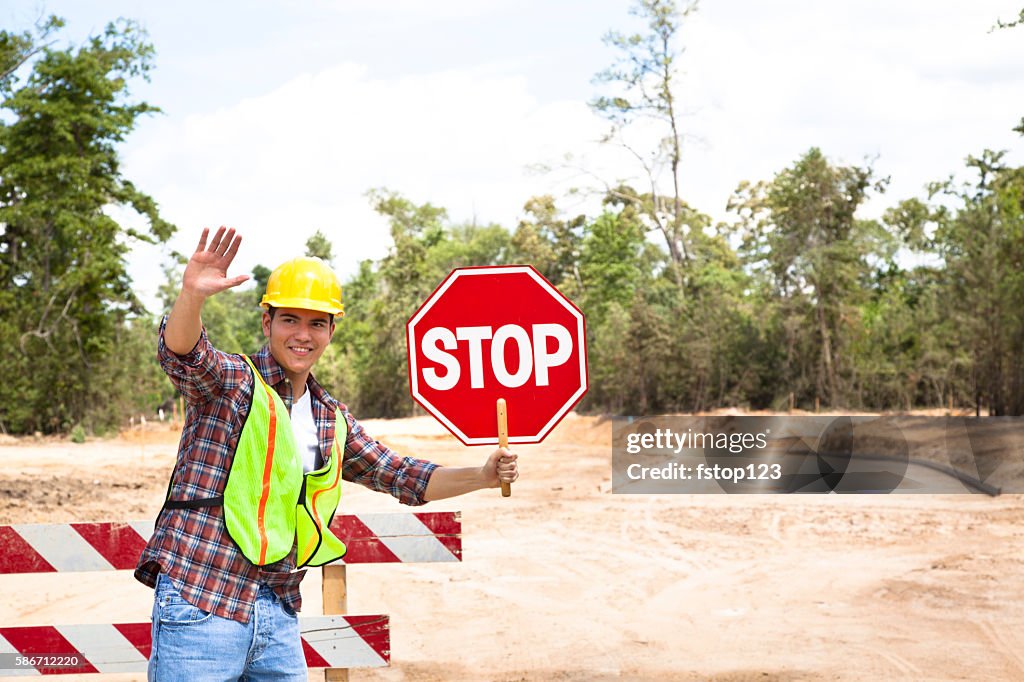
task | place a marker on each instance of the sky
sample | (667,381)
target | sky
(279,115)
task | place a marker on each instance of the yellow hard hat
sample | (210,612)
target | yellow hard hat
(307,283)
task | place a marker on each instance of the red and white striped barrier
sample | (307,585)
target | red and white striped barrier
(370,538)
(400,538)
(328,642)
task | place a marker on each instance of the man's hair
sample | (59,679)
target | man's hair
(271,310)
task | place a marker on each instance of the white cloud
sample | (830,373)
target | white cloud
(919,86)
(301,158)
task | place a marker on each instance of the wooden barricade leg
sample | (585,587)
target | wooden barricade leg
(335,594)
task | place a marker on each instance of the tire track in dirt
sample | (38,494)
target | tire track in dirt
(1002,643)
(907,670)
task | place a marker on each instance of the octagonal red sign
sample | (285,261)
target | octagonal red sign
(497,332)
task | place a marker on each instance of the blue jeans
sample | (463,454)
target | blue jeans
(190,645)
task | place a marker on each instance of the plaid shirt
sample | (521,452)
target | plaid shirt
(192,546)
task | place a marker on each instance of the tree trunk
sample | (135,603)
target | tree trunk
(826,356)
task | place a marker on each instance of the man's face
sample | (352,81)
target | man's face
(298,337)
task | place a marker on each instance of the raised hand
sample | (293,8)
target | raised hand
(207,271)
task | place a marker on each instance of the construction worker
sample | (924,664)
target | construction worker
(257,478)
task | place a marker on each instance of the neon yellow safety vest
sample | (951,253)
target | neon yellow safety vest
(269,503)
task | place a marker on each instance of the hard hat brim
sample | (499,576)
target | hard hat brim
(304,304)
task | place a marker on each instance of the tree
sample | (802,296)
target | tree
(549,243)
(614,263)
(402,281)
(803,239)
(260,277)
(628,334)
(643,80)
(64,286)
(319,246)
(982,246)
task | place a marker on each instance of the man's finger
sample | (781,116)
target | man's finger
(215,244)
(233,249)
(226,242)
(202,240)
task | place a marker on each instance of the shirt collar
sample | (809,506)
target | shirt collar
(272,372)
(318,391)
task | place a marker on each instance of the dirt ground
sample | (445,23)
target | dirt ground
(566,581)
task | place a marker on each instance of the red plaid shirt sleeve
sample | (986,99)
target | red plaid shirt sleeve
(204,372)
(379,468)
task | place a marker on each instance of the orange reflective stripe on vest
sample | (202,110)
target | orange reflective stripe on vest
(318,520)
(314,512)
(268,466)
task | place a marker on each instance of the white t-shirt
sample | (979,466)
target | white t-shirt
(304,428)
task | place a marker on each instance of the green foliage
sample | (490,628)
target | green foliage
(260,276)
(803,242)
(66,300)
(982,246)
(797,296)
(77,434)
(318,246)
(614,263)
(18,48)
(548,242)
(1010,24)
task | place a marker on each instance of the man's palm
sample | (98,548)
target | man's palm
(207,271)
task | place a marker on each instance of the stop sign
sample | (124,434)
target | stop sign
(497,332)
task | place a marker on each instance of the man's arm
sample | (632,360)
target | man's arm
(184,323)
(205,275)
(416,481)
(449,482)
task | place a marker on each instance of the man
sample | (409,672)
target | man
(256,481)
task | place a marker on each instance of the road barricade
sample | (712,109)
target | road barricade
(333,641)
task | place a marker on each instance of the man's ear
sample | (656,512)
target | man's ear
(333,327)
(266,324)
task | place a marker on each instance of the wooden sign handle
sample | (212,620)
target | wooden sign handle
(506,488)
